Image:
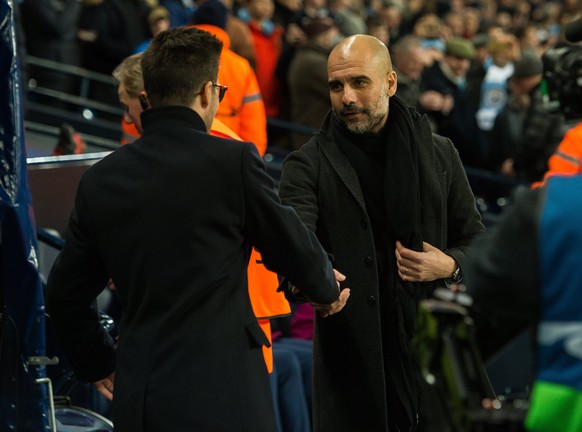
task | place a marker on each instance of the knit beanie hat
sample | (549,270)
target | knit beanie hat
(212,12)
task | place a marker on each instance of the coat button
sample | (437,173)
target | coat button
(371,301)
(364,223)
(368,261)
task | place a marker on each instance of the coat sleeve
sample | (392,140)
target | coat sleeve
(298,187)
(501,275)
(463,218)
(76,279)
(287,246)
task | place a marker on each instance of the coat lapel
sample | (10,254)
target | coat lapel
(343,168)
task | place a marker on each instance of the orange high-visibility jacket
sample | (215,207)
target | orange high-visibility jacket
(128,132)
(242,108)
(567,159)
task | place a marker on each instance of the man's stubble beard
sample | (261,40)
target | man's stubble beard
(374,116)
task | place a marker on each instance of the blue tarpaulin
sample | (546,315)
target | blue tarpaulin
(23,402)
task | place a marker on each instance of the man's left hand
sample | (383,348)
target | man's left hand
(426,266)
(105,386)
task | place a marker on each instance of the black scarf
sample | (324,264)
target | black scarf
(387,168)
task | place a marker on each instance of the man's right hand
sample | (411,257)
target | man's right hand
(336,306)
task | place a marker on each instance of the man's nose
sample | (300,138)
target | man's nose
(348,95)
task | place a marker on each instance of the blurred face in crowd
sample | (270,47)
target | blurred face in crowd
(471,19)
(361,82)
(392,16)
(411,63)
(132,107)
(523,86)
(261,10)
(458,65)
(380,32)
(159,26)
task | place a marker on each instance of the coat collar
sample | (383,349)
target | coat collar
(169,117)
(341,164)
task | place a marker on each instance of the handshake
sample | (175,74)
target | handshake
(294,295)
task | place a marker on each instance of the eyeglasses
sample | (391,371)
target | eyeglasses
(221,90)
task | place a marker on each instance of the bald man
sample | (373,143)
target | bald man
(391,202)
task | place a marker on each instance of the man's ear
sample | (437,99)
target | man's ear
(392,83)
(206,95)
(144,101)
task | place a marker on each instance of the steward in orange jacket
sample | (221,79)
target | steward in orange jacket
(567,159)
(242,108)
(266,301)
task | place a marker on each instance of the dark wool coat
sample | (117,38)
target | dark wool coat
(320,183)
(171,218)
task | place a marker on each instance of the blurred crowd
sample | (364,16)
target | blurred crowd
(473,66)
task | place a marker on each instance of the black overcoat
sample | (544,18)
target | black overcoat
(318,180)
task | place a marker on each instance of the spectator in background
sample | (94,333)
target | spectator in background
(109,31)
(287,13)
(241,41)
(504,50)
(307,76)
(268,43)
(409,57)
(50,27)
(445,98)
(429,29)
(525,134)
(412,12)
(456,23)
(349,21)
(180,11)
(377,27)
(242,108)
(314,9)
(391,13)
(478,67)
(158,20)
(130,89)
(472,20)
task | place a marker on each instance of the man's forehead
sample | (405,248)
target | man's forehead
(362,61)
(349,69)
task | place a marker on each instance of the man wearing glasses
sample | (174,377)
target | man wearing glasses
(171,219)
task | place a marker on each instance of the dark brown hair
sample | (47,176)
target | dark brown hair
(177,64)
